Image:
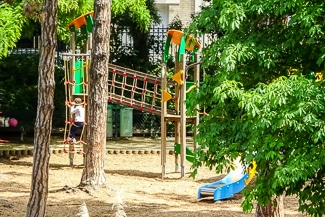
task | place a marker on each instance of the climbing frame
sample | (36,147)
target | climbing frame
(76,68)
(185,45)
(76,80)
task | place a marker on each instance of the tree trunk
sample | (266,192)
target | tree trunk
(93,172)
(270,210)
(45,107)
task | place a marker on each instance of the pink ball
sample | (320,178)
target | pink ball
(13,122)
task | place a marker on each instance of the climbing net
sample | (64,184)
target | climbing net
(76,85)
(135,89)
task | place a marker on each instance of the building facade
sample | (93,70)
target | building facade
(169,9)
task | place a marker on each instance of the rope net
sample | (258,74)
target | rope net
(135,89)
(76,85)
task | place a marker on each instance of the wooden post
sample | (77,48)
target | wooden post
(163,122)
(71,91)
(197,81)
(183,118)
(86,92)
(72,62)
(177,125)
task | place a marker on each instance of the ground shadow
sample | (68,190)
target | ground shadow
(209,180)
(19,161)
(15,161)
(136,173)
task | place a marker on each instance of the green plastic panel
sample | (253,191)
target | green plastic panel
(181,49)
(195,50)
(89,23)
(189,84)
(78,77)
(166,49)
(189,153)
(109,121)
(126,122)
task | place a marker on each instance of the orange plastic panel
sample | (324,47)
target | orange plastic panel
(191,43)
(178,77)
(166,95)
(80,21)
(176,36)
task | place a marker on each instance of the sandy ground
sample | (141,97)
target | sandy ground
(134,177)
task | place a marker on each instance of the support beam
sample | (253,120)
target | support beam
(163,122)
(183,119)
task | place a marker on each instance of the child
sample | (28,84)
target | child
(79,118)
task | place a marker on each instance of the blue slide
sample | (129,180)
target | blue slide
(234,182)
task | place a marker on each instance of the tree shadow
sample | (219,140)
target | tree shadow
(65,166)
(15,161)
(135,173)
(14,185)
(209,180)
(209,200)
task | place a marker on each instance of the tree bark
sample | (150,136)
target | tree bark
(270,210)
(93,172)
(43,125)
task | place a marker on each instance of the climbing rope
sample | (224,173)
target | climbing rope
(78,65)
(135,89)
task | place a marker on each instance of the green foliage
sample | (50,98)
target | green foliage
(285,129)
(137,10)
(32,9)
(19,19)
(68,11)
(71,9)
(21,13)
(255,110)
(135,56)
(18,83)
(176,24)
(12,21)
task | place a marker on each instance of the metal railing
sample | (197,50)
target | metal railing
(123,40)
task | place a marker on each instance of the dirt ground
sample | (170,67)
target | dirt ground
(134,177)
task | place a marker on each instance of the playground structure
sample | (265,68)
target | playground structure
(151,94)
(183,45)
(235,181)
(127,87)
(76,80)
(148,93)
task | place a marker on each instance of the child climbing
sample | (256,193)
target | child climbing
(77,112)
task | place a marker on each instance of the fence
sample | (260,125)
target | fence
(159,37)
(144,124)
(121,40)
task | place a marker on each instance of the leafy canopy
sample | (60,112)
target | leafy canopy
(257,109)
(11,23)
(137,9)
(19,14)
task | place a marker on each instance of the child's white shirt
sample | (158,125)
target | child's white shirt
(79,113)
